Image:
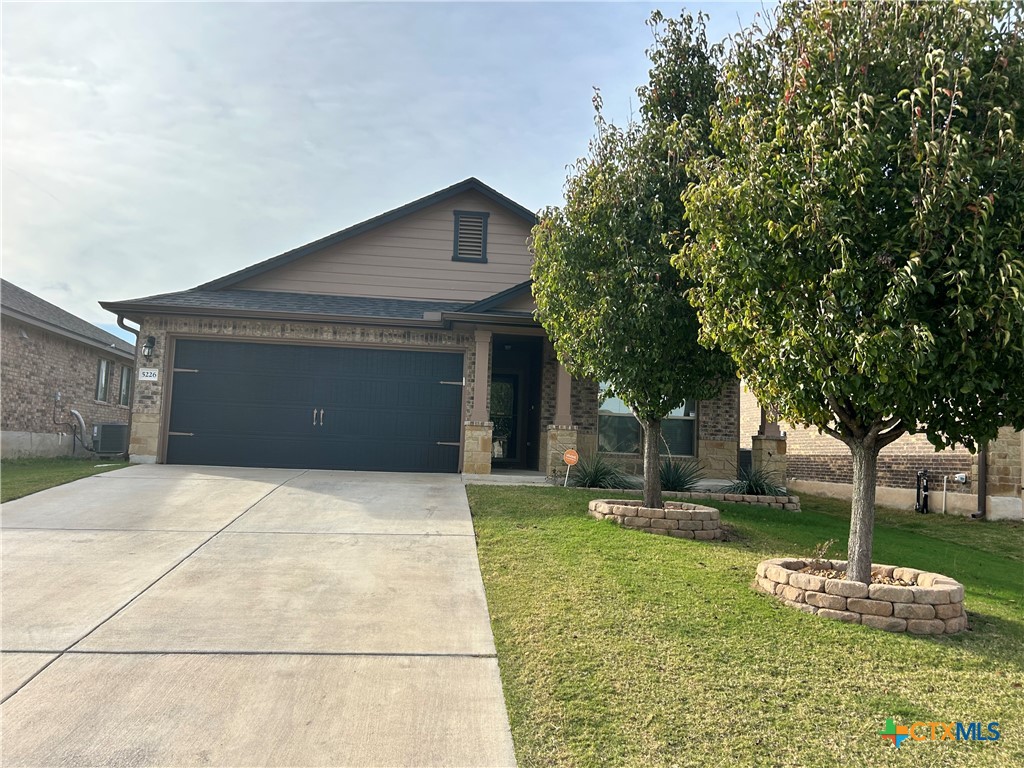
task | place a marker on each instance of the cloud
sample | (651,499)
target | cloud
(148,148)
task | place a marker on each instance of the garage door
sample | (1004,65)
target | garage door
(275,405)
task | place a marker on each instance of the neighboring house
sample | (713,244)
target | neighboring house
(405,343)
(819,464)
(46,350)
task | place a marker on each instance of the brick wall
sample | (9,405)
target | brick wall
(582,400)
(36,365)
(819,457)
(149,398)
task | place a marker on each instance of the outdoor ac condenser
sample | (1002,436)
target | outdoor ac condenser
(110,439)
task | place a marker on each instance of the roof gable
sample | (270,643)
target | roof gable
(468,185)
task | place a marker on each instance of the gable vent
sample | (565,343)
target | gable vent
(470,236)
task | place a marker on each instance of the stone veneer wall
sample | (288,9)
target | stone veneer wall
(933,607)
(145,437)
(35,367)
(678,519)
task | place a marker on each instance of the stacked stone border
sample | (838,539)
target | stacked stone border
(933,607)
(678,519)
(775,502)
(791,503)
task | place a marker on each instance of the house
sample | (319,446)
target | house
(46,351)
(815,463)
(406,342)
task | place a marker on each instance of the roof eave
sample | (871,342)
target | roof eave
(136,311)
(59,331)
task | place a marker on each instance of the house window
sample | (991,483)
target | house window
(126,385)
(102,380)
(618,431)
(470,236)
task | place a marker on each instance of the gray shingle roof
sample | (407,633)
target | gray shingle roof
(295,303)
(31,306)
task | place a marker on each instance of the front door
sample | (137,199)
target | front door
(505,416)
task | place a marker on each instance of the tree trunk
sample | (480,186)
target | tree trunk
(862,512)
(652,464)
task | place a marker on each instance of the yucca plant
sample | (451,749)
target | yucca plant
(680,476)
(755,482)
(597,472)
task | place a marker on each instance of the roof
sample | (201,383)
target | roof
(21,305)
(263,303)
(468,185)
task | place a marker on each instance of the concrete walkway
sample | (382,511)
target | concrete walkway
(184,616)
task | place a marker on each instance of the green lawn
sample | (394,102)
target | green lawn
(617,647)
(20,477)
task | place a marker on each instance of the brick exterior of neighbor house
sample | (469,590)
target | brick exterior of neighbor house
(818,463)
(40,358)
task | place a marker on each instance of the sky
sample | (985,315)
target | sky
(149,148)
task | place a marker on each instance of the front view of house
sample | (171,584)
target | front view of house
(404,343)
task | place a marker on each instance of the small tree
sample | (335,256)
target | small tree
(857,246)
(606,290)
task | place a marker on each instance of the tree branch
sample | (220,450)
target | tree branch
(845,417)
(895,433)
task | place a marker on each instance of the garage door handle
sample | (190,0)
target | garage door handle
(321,417)
(440,442)
(314,417)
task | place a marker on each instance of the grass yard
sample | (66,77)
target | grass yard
(20,477)
(617,647)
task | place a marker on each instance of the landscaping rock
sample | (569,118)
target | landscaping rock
(913,611)
(884,622)
(931,596)
(848,616)
(926,626)
(707,535)
(665,524)
(845,588)
(949,611)
(683,535)
(891,593)
(831,602)
(958,624)
(638,522)
(794,594)
(871,607)
(807,581)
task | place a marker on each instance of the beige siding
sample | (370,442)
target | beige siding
(412,259)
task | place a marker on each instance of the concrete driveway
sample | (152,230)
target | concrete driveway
(162,615)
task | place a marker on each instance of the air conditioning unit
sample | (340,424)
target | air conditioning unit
(110,439)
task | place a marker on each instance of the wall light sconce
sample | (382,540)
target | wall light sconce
(148,347)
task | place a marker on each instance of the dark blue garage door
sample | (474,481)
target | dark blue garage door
(275,405)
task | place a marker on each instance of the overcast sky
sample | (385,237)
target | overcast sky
(151,148)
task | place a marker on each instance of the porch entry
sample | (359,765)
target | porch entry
(515,408)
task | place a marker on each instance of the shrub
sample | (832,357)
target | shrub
(598,472)
(755,482)
(680,476)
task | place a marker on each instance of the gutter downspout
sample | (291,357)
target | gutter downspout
(982,482)
(131,403)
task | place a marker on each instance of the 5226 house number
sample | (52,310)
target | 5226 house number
(149,374)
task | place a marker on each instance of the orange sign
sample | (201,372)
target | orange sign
(570,457)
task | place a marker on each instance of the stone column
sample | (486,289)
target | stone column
(563,398)
(1005,459)
(479,429)
(769,453)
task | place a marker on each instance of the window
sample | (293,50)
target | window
(618,431)
(126,385)
(470,236)
(102,380)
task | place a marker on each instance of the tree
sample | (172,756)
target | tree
(607,293)
(857,244)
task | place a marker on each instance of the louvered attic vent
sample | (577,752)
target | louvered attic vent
(470,236)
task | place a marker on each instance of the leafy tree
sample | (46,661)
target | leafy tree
(857,245)
(607,293)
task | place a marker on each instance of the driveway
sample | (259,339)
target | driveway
(168,615)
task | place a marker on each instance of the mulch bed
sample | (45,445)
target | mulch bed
(876,578)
